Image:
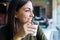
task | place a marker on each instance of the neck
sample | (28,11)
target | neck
(20,28)
(20,24)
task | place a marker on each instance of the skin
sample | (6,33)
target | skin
(25,16)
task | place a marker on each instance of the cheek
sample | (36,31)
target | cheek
(23,17)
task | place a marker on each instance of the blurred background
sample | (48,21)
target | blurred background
(47,16)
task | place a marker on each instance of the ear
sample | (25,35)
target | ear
(15,14)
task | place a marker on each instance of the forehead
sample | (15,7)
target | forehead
(28,5)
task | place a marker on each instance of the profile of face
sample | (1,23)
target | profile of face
(25,13)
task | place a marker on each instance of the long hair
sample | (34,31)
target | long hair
(14,5)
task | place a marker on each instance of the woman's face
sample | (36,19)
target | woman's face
(25,13)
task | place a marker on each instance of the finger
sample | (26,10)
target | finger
(31,28)
(31,31)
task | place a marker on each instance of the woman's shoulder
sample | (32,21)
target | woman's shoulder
(39,29)
(40,34)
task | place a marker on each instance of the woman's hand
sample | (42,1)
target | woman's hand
(20,34)
(30,28)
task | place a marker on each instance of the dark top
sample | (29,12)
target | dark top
(6,35)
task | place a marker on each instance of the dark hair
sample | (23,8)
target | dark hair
(14,5)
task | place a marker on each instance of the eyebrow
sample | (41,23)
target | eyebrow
(28,8)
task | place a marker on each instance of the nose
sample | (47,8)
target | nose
(32,14)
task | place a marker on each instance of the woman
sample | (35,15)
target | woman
(20,15)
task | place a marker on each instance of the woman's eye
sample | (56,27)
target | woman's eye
(27,10)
